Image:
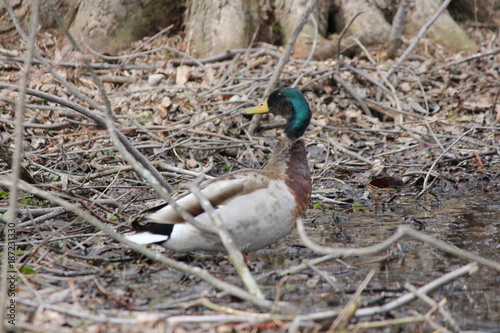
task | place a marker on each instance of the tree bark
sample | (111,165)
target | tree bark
(398,24)
(445,30)
(370,27)
(484,11)
(216,26)
(107,26)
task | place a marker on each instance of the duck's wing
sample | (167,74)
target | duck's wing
(156,224)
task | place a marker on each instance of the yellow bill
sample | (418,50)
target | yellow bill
(262,108)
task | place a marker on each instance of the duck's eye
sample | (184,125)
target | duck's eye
(279,95)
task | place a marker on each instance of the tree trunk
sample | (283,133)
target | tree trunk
(219,25)
(107,26)
(445,30)
(485,11)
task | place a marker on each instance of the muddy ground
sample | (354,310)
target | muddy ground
(427,158)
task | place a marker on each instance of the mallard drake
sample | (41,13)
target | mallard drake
(258,207)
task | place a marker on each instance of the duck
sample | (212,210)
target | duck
(257,206)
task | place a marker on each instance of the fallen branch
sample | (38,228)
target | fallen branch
(349,309)
(235,255)
(398,24)
(417,38)
(195,271)
(354,94)
(15,161)
(339,147)
(402,231)
(468,269)
(474,56)
(446,314)
(285,56)
(424,186)
(101,123)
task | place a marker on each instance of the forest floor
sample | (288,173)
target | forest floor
(427,157)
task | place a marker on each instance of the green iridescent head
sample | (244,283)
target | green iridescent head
(291,105)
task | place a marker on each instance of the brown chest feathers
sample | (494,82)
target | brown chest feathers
(289,162)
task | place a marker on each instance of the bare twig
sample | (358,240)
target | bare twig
(398,24)
(368,77)
(464,270)
(446,315)
(94,115)
(341,35)
(196,271)
(424,186)
(55,212)
(338,146)
(314,45)
(235,255)
(311,53)
(8,264)
(191,61)
(176,62)
(385,324)
(101,122)
(304,266)
(205,302)
(474,56)
(354,94)
(100,318)
(402,231)
(417,38)
(350,308)
(327,200)
(285,56)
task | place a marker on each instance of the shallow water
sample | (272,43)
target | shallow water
(470,221)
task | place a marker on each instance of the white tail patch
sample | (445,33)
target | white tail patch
(146,237)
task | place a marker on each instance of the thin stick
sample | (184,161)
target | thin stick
(338,146)
(44,61)
(464,270)
(384,324)
(417,38)
(196,271)
(100,65)
(314,45)
(285,56)
(234,253)
(350,308)
(94,115)
(354,94)
(402,231)
(8,263)
(311,53)
(469,58)
(446,315)
(424,186)
(101,123)
(342,33)
(368,77)
(100,318)
(304,266)
(398,24)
